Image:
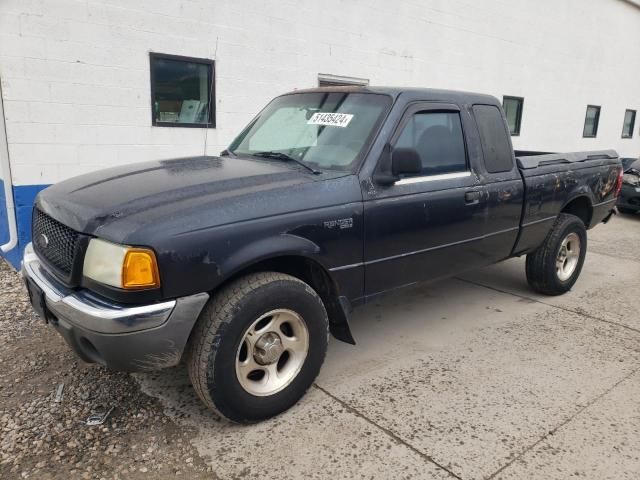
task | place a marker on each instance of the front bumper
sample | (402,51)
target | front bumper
(629,197)
(121,337)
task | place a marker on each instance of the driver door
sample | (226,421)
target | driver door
(429,224)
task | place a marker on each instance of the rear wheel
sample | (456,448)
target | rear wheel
(258,346)
(556,265)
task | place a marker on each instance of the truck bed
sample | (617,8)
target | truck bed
(527,160)
(553,180)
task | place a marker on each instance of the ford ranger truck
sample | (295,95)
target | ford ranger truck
(243,264)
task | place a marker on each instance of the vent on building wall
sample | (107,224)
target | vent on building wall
(327,80)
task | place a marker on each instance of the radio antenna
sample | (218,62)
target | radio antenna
(213,81)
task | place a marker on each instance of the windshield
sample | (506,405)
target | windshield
(325,130)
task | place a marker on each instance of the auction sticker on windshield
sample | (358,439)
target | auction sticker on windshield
(330,119)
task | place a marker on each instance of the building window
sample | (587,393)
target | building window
(327,80)
(629,123)
(513,110)
(591,120)
(182,91)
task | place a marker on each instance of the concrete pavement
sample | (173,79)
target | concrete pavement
(473,377)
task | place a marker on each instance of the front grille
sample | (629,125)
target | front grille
(53,241)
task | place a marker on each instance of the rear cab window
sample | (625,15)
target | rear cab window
(494,139)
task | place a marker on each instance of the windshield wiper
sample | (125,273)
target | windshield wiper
(286,158)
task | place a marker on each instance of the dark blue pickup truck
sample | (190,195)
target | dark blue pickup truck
(242,264)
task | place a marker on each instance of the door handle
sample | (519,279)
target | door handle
(472,198)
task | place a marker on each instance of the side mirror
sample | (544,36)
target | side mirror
(405,161)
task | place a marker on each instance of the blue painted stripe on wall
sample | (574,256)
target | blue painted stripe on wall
(4,222)
(23,197)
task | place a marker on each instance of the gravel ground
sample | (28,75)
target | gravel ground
(42,438)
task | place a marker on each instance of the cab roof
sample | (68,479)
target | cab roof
(413,93)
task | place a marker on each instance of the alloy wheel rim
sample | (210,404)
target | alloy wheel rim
(568,257)
(272,352)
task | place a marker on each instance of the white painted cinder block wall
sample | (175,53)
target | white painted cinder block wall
(75,74)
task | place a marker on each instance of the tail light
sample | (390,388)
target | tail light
(619,182)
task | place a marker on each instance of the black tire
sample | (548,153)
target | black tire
(541,264)
(221,328)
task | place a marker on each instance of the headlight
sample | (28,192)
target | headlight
(631,179)
(121,266)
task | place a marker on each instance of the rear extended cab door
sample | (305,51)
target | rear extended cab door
(428,225)
(502,182)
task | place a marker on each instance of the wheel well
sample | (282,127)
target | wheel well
(581,208)
(313,274)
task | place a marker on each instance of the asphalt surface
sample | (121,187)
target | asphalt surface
(475,377)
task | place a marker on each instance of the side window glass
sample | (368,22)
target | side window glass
(438,139)
(493,138)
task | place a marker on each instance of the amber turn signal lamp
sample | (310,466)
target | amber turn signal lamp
(140,269)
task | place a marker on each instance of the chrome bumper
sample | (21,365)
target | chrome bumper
(88,310)
(122,337)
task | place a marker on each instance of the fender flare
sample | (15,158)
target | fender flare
(579,195)
(338,307)
(266,248)
(576,194)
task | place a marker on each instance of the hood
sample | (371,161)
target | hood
(179,195)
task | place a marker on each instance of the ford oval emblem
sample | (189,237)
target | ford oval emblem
(44,241)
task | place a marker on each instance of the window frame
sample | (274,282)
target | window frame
(596,121)
(428,107)
(633,122)
(330,80)
(518,125)
(211,81)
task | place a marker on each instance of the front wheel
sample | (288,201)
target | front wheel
(258,346)
(555,266)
